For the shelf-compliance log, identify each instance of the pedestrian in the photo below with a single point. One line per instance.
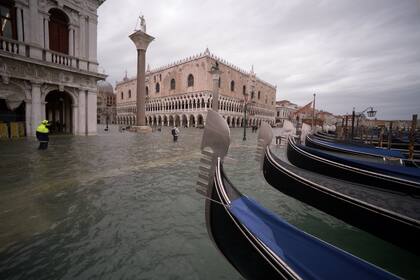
(175, 133)
(42, 135)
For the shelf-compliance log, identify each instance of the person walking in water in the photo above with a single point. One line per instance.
(42, 135)
(175, 133)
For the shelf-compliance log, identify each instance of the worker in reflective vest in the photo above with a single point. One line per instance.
(42, 135)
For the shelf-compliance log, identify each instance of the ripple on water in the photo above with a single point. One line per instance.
(124, 205)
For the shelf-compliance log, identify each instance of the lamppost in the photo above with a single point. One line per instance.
(245, 108)
(246, 105)
(370, 112)
(107, 116)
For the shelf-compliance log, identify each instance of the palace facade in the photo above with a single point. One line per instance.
(48, 64)
(106, 104)
(181, 93)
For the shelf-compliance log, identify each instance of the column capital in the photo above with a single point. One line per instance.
(141, 40)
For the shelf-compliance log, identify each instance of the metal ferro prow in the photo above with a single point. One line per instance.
(265, 136)
(214, 145)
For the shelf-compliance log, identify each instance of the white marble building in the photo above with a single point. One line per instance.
(48, 64)
(284, 111)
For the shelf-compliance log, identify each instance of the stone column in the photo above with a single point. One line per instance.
(142, 41)
(91, 117)
(19, 23)
(82, 112)
(47, 32)
(215, 72)
(28, 118)
(75, 119)
(71, 40)
(92, 38)
(35, 106)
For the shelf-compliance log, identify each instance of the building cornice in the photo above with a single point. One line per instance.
(205, 54)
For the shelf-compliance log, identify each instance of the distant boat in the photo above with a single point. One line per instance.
(258, 243)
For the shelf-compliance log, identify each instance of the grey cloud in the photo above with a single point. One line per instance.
(352, 53)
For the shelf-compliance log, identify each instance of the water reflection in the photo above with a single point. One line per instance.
(123, 205)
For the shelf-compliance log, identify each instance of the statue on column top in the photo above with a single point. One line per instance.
(142, 24)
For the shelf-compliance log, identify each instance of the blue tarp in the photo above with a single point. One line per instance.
(308, 256)
(359, 149)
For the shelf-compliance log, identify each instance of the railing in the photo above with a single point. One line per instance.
(60, 58)
(11, 46)
(34, 52)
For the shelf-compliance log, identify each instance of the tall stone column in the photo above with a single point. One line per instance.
(142, 41)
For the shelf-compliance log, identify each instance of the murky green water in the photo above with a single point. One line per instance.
(124, 206)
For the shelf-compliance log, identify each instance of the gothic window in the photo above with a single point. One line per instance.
(122, 95)
(252, 95)
(8, 20)
(244, 90)
(172, 84)
(259, 95)
(220, 82)
(58, 31)
(147, 90)
(190, 80)
(232, 86)
(129, 93)
(157, 88)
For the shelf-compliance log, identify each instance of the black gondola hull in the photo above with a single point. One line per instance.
(314, 163)
(236, 244)
(396, 229)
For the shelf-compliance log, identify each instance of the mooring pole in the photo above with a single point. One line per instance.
(352, 124)
(390, 135)
(412, 137)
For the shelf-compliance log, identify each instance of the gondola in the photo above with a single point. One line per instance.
(392, 156)
(353, 149)
(258, 243)
(396, 145)
(371, 210)
(394, 178)
(356, 144)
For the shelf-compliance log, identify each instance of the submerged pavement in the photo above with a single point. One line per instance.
(123, 205)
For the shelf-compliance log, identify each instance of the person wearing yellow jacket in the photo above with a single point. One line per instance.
(42, 135)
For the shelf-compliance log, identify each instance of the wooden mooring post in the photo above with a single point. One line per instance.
(390, 135)
(412, 137)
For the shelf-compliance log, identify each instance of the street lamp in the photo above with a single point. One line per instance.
(370, 112)
(245, 108)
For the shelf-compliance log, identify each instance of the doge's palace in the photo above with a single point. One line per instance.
(181, 93)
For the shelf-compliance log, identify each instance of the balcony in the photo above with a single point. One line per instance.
(13, 48)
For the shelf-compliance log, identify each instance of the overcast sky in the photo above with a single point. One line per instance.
(350, 53)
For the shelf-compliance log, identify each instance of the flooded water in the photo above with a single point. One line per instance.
(124, 206)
